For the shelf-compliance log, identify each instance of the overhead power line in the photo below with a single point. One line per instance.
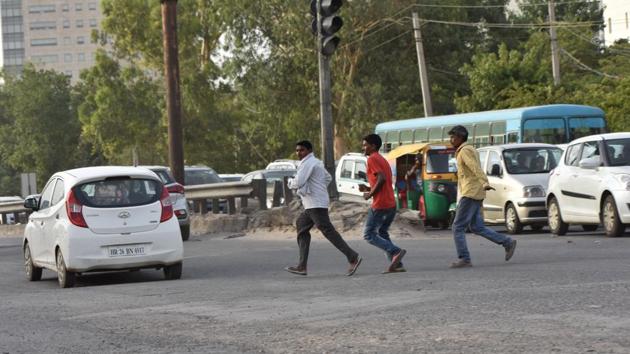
(586, 67)
(502, 6)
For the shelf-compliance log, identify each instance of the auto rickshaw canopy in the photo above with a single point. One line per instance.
(412, 149)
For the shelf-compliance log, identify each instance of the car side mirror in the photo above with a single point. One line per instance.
(496, 170)
(32, 202)
(590, 163)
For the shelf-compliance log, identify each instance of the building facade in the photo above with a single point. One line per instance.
(51, 34)
(616, 19)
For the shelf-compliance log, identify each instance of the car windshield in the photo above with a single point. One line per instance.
(618, 151)
(531, 160)
(164, 175)
(441, 161)
(118, 192)
(201, 176)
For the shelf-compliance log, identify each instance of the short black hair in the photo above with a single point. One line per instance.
(460, 131)
(374, 139)
(305, 143)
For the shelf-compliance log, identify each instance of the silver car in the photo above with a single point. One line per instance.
(520, 174)
(178, 198)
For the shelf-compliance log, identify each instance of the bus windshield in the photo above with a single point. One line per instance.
(531, 160)
(579, 127)
(544, 130)
(441, 161)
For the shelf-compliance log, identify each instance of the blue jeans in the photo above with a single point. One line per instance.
(469, 214)
(376, 230)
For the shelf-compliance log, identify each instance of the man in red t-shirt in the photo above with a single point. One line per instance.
(383, 209)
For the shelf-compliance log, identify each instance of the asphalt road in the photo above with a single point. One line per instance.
(563, 294)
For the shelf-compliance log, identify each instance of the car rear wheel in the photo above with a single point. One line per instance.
(512, 222)
(589, 228)
(33, 273)
(66, 279)
(556, 225)
(185, 229)
(173, 272)
(610, 218)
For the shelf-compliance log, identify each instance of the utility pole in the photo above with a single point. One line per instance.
(555, 53)
(424, 79)
(173, 93)
(327, 24)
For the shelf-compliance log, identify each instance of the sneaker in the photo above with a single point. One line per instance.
(296, 270)
(397, 270)
(354, 266)
(462, 263)
(396, 260)
(509, 250)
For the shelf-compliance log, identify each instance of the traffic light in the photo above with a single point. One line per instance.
(329, 24)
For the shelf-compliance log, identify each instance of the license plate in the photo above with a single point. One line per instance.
(126, 251)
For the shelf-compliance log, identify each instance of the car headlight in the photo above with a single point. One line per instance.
(624, 180)
(533, 191)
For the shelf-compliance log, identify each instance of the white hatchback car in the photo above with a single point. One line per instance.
(101, 219)
(591, 185)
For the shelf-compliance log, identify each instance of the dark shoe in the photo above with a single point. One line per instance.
(354, 266)
(397, 270)
(509, 250)
(296, 270)
(396, 260)
(462, 263)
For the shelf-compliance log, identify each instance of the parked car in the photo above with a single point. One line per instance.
(101, 219)
(282, 164)
(271, 176)
(195, 175)
(591, 185)
(178, 198)
(231, 177)
(519, 173)
(350, 173)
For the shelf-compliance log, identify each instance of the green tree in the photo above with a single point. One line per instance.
(40, 130)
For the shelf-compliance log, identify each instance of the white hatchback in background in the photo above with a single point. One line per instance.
(519, 173)
(283, 164)
(591, 185)
(101, 219)
(351, 171)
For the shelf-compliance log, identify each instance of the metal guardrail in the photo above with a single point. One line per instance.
(219, 190)
(12, 207)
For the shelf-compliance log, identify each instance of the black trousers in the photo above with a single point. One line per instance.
(319, 217)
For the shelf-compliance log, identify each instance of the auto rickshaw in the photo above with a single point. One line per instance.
(430, 188)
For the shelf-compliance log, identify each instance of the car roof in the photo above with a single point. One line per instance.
(197, 167)
(97, 172)
(154, 167)
(607, 136)
(518, 146)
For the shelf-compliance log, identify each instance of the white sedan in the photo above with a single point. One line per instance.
(101, 219)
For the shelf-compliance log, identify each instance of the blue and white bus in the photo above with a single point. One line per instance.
(552, 124)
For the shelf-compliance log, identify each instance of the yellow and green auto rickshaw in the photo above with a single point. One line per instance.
(430, 187)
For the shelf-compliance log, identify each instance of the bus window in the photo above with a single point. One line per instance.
(547, 130)
(383, 137)
(406, 137)
(420, 136)
(497, 133)
(392, 141)
(482, 134)
(512, 137)
(435, 134)
(579, 127)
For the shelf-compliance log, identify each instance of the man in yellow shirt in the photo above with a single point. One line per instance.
(472, 185)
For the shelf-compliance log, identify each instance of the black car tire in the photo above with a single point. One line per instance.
(33, 273)
(556, 224)
(66, 278)
(512, 222)
(185, 230)
(610, 218)
(173, 271)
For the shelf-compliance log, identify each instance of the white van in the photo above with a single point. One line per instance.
(351, 171)
(520, 174)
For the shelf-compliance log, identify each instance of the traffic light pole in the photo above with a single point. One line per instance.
(173, 94)
(325, 102)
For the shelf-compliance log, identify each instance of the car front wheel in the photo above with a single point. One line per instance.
(66, 279)
(512, 222)
(173, 272)
(33, 273)
(610, 218)
(185, 230)
(556, 225)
